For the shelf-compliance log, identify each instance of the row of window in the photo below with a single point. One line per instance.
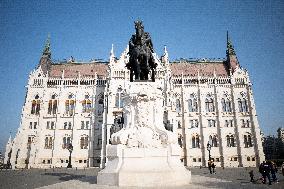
(213, 140)
(67, 125)
(48, 161)
(212, 123)
(48, 142)
(69, 105)
(210, 105)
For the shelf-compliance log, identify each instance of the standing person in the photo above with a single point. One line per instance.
(266, 172)
(251, 176)
(209, 166)
(274, 171)
(261, 170)
(213, 167)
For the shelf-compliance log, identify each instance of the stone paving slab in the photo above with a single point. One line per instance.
(231, 178)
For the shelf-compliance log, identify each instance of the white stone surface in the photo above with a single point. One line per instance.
(143, 167)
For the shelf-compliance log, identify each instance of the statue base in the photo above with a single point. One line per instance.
(143, 167)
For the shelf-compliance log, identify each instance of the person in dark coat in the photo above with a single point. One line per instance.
(266, 172)
(210, 167)
(251, 176)
(213, 167)
(261, 170)
(274, 171)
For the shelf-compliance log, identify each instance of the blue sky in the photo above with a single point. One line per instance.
(190, 29)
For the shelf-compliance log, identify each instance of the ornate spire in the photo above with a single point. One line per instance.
(46, 50)
(230, 47)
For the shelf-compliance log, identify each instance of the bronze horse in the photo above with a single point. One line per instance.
(141, 60)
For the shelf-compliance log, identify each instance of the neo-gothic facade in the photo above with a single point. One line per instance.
(211, 101)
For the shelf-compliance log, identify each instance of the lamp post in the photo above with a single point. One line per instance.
(70, 149)
(209, 149)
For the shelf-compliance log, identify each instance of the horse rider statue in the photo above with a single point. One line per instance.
(141, 60)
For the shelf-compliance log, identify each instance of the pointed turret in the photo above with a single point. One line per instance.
(45, 60)
(232, 60)
(111, 56)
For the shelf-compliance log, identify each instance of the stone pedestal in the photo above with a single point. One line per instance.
(143, 153)
(143, 167)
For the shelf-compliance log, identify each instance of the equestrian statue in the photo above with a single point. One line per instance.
(141, 60)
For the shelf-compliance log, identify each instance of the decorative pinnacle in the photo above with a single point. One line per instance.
(46, 50)
(111, 51)
(230, 47)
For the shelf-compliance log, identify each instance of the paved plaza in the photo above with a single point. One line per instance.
(83, 179)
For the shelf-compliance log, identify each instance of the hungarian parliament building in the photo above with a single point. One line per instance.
(207, 103)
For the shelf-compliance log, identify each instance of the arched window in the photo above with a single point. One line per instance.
(193, 142)
(232, 141)
(48, 142)
(214, 141)
(209, 104)
(178, 107)
(245, 141)
(101, 105)
(210, 140)
(192, 104)
(66, 142)
(228, 141)
(86, 105)
(244, 105)
(240, 105)
(118, 98)
(70, 105)
(52, 105)
(84, 141)
(197, 141)
(35, 105)
(226, 105)
(223, 104)
(249, 141)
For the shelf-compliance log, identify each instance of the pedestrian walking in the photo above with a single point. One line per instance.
(251, 176)
(274, 171)
(266, 172)
(213, 167)
(261, 170)
(209, 166)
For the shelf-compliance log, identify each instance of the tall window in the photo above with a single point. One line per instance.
(192, 104)
(211, 123)
(84, 141)
(230, 141)
(85, 124)
(195, 141)
(209, 104)
(228, 123)
(178, 106)
(86, 104)
(35, 106)
(66, 142)
(226, 105)
(213, 140)
(50, 125)
(67, 125)
(52, 105)
(101, 105)
(30, 141)
(48, 142)
(247, 141)
(193, 123)
(70, 105)
(118, 98)
(242, 104)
